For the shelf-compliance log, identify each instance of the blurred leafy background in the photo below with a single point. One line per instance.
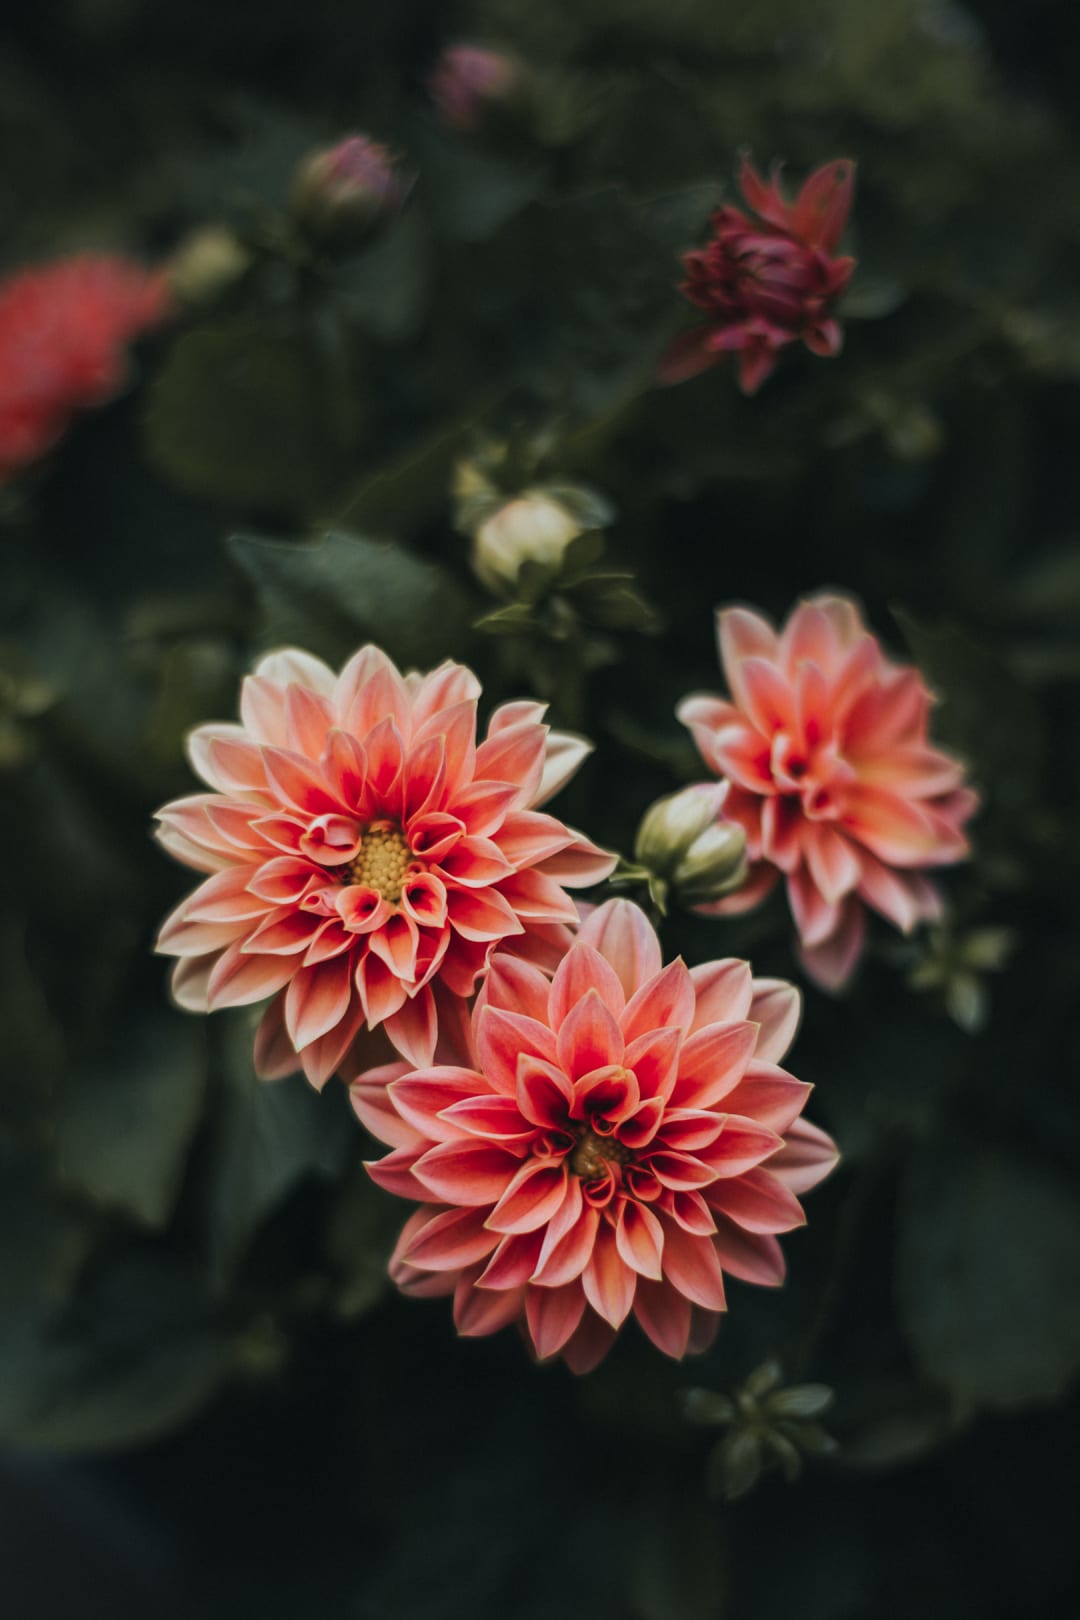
(207, 1393)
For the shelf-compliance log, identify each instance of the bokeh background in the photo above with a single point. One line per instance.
(210, 1403)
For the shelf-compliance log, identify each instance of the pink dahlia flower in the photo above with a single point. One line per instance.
(831, 775)
(365, 851)
(65, 329)
(612, 1141)
(768, 281)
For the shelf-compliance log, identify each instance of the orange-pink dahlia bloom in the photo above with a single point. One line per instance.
(65, 329)
(768, 281)
(365, 852)
(611, 1141)
(824, 744)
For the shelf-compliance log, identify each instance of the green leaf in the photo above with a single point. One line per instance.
(249, 415)
(133, 1358)
(986, 1275)
(334, 593)
(268, 1136)
(124, 1123)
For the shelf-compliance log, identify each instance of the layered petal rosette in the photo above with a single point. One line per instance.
(768, 279)
(612, 1141)
(366, 852)
(824, 743)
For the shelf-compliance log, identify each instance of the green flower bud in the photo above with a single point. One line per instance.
(534, 527)
(693, 852)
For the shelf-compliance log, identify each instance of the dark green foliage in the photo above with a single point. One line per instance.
(192, 1263)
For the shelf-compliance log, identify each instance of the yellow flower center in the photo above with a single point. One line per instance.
(594, 1153)
(382, 860)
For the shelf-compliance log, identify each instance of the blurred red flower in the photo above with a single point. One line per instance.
(64, 333)
(769, 280)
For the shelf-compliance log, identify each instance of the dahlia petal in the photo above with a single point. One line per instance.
(688, 1129)
(564, 754)
(308, 718)
(807, 1157)
(423, 1095)
(639, 1238)
(513, 1261)
(224, 898)
(769, 1095)
(225, 757)
(394, 1174)
(370, 692)
(297, 782)
(413, 1029)
(424, 778)
(757, 362)
(467, 1171)
(753, 1257)
(483, 915)
(689, 1210)
(538, 899)
(483, 807)
(664, 1002)
(607, 1096)
(588, 1344)
(621, 933)
(282, 880)
(580, 865)
(444, 688)
(423, 899)
(179, 937)
(479, 1311)
(476, 862)
(533, 1196)
(283, 932)
(568, 1242)
(891, 893)
(450, 1240)
(497, 1119)
(654, 1060)
(502, 1037)
(815, 917)
(396, 943)
(372, 1104)
(544, 1095)
(528, 837)
(825, 338)
(687, 356)
(822, 207)
(238, 980)
(323, 1056)
(190, 853)
(640, 1129)
(588, 1037)
(434, 834)
(741, 754)
(757, 1201)
(808, 638)
(608, 1281)
(317, 999)
(582, 969)
(516, 986)
(275, 1054)
(742, 1145)
(769, 699)
(190, 980)
(665, 1315)
(724, 991)
(776, 1008)
(381, 991)
(552, 1314)
(692, 1265)
(456, 729)
(288, 666)
(515, 754)
(683, 1172)
(343, 764)
(384, 752)
(834, 865)
(832, 963)
(896, 831)
(783, 829)
(712, 1062)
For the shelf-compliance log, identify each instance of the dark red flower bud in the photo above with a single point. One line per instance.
(344, 194)
(469, 82)
(767, 280)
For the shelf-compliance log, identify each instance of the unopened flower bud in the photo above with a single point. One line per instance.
(683, 841)
(342, 195)
(533, 527)
(207, 264)
(470, 83)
